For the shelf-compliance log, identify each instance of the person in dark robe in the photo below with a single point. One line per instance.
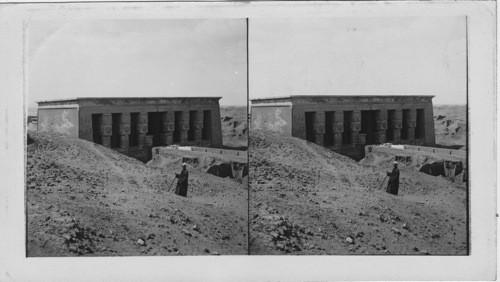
(393, 184)
(182, 182)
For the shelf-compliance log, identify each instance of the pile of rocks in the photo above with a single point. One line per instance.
(78, 239)
(288, 236)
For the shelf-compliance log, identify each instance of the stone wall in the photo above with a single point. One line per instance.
(277, 118)
(321, 119)
(60, 120)
(146, 122)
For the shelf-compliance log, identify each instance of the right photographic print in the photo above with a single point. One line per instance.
(358, 136)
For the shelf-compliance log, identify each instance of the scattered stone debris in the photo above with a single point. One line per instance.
(349, 240)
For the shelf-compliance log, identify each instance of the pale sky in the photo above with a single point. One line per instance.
(137, 58)
(359, 56)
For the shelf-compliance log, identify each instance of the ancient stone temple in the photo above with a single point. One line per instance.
(346, 124)
(133, 126)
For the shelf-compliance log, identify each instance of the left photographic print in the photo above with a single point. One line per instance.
(136, 137)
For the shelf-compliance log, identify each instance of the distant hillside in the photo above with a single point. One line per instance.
(450, 124)
(234, 125)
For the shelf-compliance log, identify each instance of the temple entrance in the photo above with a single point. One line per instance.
(96, 128)
(329, 120)
(116, 119)
(368, 126)
(346, 135)
(391, 119)
(310, 119)
(155, 127)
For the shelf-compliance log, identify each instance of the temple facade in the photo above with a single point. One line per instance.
(346, 124)
(133, 126)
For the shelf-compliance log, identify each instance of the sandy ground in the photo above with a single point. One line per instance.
(85, 199)
(307, 200)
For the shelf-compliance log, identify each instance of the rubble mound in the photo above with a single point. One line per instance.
(308, 200)
(87, 200)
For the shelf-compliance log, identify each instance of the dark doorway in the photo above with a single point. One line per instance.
(206, 132)
(133, 138)
(391, 119)
(193, 115)
(329, 120)
(177, 126)
(404, 129)
(310, 119)
(116, 120)
(155, 127)
(96, 128)
(420, 127)
(368, 126)
(346, 135)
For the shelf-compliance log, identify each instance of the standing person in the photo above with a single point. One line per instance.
(182, 183)
(393, 184)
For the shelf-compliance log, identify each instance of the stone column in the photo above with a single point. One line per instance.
(319, 128)
(124, 130)
(397, 124)
(142, 127)
(381, 126)
(184, 123)
(106, 130)
(198, 127)
(412, 123)
(355, 126)
(168, 126)
(338, 128)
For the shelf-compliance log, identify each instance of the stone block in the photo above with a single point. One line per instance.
(398, 124)
(142, 139)
(381, 125)
(168, 126)
(411, 133)
(198, 125)
(362, 139)
(197, 135)
(184, 137)
(337, 140)
(107, 119)
(412, 123)
(124, 129)
(320, 138)
(319, 128)
(397, 135)
(356, 116)
(170, 116)
(125, 119)
(142, 128)
(106, 130)
(124, 141)
(106, 141)
(338, 127)
(355, 126)
(380, 137)
(185, 125)
(143, 118)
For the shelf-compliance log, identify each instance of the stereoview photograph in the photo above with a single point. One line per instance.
(137, 138)
(358, 136)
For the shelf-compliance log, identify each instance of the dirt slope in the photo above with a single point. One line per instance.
(308, 200)
(84, 199)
